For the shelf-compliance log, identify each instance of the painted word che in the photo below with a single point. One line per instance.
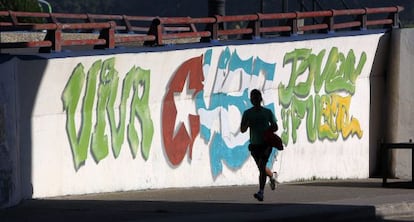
(100, 86)
(327, 115)
(231, 81)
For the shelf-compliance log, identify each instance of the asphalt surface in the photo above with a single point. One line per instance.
(339, 200)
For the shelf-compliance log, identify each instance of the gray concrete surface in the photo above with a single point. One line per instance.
(341, 200)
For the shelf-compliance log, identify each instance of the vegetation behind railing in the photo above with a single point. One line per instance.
(155, 31)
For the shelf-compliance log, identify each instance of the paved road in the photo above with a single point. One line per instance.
(351, 200)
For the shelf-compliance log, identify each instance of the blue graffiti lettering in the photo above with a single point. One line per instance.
(233, 80)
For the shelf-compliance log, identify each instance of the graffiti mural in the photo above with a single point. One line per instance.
(226, 145)
(100, 86)
(327, 112)
(219, 95)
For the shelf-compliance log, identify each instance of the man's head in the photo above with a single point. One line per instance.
(255, 97)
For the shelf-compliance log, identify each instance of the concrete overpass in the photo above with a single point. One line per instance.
(128, 118)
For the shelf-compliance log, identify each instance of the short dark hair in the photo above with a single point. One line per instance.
(256, 92)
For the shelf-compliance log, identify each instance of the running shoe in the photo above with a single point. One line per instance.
(258, 196)
(272, 183)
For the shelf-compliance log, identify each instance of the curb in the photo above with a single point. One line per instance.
(395, 209)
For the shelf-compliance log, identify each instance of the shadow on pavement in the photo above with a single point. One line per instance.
(362, 184)
(403, 184)
(98, 210)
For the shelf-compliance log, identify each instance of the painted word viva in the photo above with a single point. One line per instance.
(100, 86)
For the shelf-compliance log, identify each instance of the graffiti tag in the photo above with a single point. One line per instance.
(101, 87)
(327, 115)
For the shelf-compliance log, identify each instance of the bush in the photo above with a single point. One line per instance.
(23, 6)
(20, 5)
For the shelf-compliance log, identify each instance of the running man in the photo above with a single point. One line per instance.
(259, 119)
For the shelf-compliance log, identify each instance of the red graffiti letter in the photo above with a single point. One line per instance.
(176, 146)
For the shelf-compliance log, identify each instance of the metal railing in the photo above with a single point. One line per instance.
(385, 149)
(119, 29)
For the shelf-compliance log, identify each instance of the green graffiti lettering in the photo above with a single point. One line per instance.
(327, 128)
(99, 144)
(286, 92)
(79, 141)
(300, 108)
(344, 123)
(136, 82)
(315, 70)
(313, 117)
(327, 115)
(140, 79)
(285, 113)
(344, 78)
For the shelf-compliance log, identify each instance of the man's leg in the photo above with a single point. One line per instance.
(262, 175)
(257, 156)
(269, 173)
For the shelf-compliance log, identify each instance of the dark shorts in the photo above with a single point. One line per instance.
(260, 153)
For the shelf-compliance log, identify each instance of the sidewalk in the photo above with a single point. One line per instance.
(350, 200)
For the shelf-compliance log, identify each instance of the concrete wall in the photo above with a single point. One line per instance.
(400, 122)
(9, 152)
(128, 121)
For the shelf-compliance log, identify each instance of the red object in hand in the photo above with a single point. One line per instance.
(273, 140)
